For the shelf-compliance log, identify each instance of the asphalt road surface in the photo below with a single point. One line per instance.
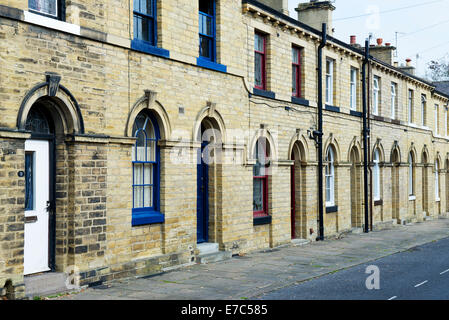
(421, 273)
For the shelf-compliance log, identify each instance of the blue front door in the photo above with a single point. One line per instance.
(202, 197)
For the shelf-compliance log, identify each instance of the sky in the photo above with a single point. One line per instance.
(422, 26)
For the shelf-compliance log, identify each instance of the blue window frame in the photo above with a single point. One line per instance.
(145, 24)
(145, 28)
(146, 171)
(207, 45)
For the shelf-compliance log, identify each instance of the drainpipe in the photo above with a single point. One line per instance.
(365, 138)
(319, 134)
(369, 145)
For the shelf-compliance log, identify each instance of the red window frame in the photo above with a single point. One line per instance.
(264, 179)
(297, 67)
(263, 54)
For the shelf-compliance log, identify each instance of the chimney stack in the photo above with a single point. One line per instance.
(408, 67)
(383, 53)
(279, 5)
(315, 13)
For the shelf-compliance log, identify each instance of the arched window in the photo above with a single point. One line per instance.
(260, 179)
(146, 171)
(437, 182)
(376, 175)
(411, 175)
(330, 178)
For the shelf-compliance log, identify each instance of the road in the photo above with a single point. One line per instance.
(420, 273)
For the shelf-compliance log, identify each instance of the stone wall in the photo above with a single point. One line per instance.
(110, 81)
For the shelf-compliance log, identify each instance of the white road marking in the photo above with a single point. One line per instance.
(420, 284)
(444, 271)
(392, 298)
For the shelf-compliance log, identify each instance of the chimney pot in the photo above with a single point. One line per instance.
(388, 44)
(408, 60)
(353, 40)
(379, 41)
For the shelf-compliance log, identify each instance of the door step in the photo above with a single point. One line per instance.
(300, 242)
(213, 257)
(207, 247)
(45, 284)
(209, 253)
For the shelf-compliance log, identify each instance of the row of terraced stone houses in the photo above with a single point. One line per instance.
(134, 132)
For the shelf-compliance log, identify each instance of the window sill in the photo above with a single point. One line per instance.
(201, 62)
(264, 93)
(144, 216)
(301, 101)
(379, 202)
(257, 221)
(411, 198)
(332, 108)
(145, 47)
(331, 209)
(356, 113)
(51, 23)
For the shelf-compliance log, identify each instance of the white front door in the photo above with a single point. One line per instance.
(37, 177)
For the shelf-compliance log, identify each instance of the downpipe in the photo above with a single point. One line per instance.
(365, 138)
(318, 135)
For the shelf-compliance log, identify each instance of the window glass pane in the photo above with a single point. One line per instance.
(294, 78)
(147, 196)
(144, 6)
(29, 181)
(205, 47)
(206, 25)
(259, 43)
(44, 6)
(148, 173)
(206, 6)
(258, 195)
(138, 197)
(138, 173)
(295, 55)
(258, 70)
(143, 29)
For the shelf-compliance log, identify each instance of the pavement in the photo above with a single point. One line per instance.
(256, 275)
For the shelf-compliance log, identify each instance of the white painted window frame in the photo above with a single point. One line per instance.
(423, 109)
(330, 172)
(437, 182)
(353, 89)
(376, 175)
(376, 91)
(329, 81)
(393, 100)
(410, 105)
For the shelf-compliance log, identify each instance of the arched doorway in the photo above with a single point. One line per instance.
(208, 173)
(356, 189)
(395, 162)
(298, 195)
(49, 112)
(39, 238)
(425, 185)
